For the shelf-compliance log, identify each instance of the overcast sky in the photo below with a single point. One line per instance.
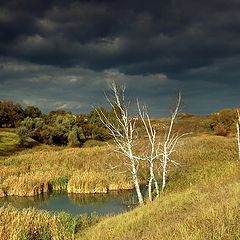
(62, 54)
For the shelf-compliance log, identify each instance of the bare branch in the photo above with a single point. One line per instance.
(122, 129)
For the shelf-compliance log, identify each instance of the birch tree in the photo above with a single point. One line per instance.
(153, 152)
(169, 143)
(123, 130)
(158, 148)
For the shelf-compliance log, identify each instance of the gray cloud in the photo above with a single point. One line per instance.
(61, 54)
(79, 89)
(99, 35)
(75, 88)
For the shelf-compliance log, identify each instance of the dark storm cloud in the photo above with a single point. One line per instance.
(135, 36)
(69, 50)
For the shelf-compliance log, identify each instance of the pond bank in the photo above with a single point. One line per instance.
(32, 184)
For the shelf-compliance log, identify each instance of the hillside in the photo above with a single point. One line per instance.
(201, 200)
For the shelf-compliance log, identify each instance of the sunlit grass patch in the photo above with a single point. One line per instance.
(33, 224)
(98, 182)
(201, 200)
(9, 143)
(190, 214)
(203, 160)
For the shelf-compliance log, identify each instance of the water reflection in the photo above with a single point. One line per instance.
(25, 202)
(112, 203)
(83, 199)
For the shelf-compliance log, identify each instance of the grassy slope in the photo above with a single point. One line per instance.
(201, 201)
(9, 142)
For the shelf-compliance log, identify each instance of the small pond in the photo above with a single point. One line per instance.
(75, 204)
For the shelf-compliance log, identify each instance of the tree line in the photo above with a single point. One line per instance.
(58, 127)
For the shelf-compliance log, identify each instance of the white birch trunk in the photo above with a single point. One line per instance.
(156, 187)
(136, 184)
(169, 144)
(152, 151)
(164, 172)
(150, 182)
(122, 131)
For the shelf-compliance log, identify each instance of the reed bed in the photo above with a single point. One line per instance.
(41, 169)
(27, 184)
(97, 182)
(31, 224)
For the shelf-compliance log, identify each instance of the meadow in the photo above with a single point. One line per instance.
(201, 200)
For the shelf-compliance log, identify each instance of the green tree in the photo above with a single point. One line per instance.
(52, 116)
(38, 129)
(73, 139)
(83, 122)
(10, 114)
(98, 129)
(64, 126)
(22, 133)
(32, 112)
(76, 137)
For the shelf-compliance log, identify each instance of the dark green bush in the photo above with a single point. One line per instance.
(22, 133)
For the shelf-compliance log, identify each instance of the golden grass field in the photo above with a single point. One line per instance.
(44, 168)
(201, 200)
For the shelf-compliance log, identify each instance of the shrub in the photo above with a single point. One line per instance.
(22, 133)
(222, 122)
(100, 133)
(220, 130)
(60, 183)
(73, 139)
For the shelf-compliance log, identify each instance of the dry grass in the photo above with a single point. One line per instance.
(191, 214)
(31, 224)
(34, 169)
(97, 182)
(201, 201)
